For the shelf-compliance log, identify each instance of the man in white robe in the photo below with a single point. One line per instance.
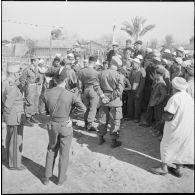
(177, 145)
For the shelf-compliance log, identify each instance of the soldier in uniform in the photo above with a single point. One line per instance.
(112, 52)
(109, 86)
(87, 76)
(137, 49)
(13, 114)
(60, 102)
(30, 81)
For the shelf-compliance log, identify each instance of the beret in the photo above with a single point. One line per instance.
(138, 42)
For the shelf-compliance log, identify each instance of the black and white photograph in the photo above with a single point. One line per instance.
(97, 97)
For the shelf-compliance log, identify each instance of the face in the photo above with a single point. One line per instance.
(105, 66)
(56, 63)
(179, 54)
(128, 54)
(115, 48)
(137, 46)
(135, 66)
(77, 59)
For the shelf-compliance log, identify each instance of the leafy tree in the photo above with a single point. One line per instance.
(17, 39)
(136, 28)
(30, 43)
(56, 34)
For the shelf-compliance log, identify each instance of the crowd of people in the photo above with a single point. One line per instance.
(150, 87)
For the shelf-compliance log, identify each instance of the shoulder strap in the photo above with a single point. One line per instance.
(56, 104)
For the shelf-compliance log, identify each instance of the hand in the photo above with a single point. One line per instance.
(105, 100)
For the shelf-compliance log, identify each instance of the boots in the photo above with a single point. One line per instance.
(101, 140)
(90, 127)
(29, 123)
(115, 143)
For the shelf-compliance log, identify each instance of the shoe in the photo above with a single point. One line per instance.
(189, 166)
(158, 171)
(29, 123)
(175, 171)
(115, 144)
(34, 120)
(45, 180)
(101, 140)
(61, 183)
(21, 168)
(136, 121)
(90, 127)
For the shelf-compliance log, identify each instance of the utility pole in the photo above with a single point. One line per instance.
(50, 48)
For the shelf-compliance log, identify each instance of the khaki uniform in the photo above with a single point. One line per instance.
(59, 103)
(31, 82)
(110, 83)
(90, 98)
(13, 114)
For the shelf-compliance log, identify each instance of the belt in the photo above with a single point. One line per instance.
(59, 119)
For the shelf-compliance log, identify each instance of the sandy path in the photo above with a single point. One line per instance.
(94, 168)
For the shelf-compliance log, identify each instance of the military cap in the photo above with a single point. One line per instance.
(12, 67)
(190, 69)
(149, 50)
(164, 61)
(56, 59)
(138, 42)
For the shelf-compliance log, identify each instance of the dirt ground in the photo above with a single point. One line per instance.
(94, 168)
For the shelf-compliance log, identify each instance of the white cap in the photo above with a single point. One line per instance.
(181, 49)
(41, 61)
(157, 59)
(140, 57)
(179, 61)
(179, 83)
(186, 63)
(167, 51)
(58, 55)
(136, 60)
(165, 61)
(115, 43)
(70, 55)
(149, 50)
(42, 69)
(174, 53)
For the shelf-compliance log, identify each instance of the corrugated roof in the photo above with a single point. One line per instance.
(55, 44)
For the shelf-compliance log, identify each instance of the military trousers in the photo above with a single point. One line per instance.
(91, 101)
(14, 145)
(111, 116)
(32, 94)
(134, 105)
(60, 137)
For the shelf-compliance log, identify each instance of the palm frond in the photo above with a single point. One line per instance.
(146, 29)
(127, 30)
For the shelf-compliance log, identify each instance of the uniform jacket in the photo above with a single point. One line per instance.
(88, 76)
(12, 99)
(30, 76)
(158, 94)
(66, 102)
(111, 83)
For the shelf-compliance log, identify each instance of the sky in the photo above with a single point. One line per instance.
(91, 20)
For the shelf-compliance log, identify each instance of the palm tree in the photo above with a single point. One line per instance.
(136, 28)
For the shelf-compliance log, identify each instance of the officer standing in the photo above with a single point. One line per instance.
(137, 49)
(109, 86)
(59, 103)
(88, 76)
(113, 52)
(13, 114)
(30, 81)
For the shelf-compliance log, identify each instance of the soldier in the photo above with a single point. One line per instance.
(190, 79)
(13, 114)
(128, 47)
(112, 52)
(30, 81)
(51, 71)
(137, 49)
(137, 81)
(180, 52)
(87, 76)
(109, 87)
(60, 102)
